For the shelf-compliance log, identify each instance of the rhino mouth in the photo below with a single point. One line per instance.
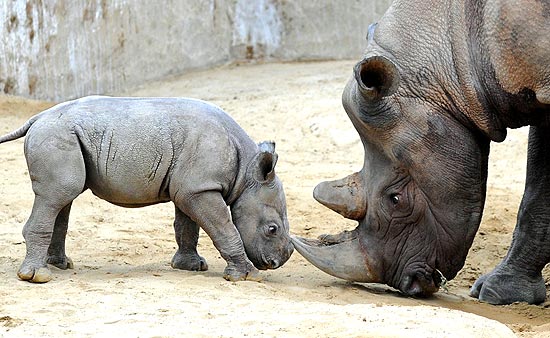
(267, 262)
(421, 283)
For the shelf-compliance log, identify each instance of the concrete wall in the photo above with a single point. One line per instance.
(61, 49)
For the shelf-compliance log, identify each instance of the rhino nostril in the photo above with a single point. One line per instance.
(273, 263)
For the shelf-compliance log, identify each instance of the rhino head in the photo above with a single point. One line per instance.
(260, 212)
(419, 196)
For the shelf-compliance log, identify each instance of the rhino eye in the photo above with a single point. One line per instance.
(272, 229)
(394, 198)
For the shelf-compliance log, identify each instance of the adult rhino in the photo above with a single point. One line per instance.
(135, 152)
(439, 80)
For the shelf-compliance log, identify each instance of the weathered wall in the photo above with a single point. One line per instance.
(61, 49)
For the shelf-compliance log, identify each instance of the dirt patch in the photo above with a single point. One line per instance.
(123, 283)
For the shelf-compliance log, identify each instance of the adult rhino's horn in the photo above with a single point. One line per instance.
(340, 256)
(376, 77)
(346, 196)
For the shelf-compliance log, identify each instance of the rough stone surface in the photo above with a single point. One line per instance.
(63, 49)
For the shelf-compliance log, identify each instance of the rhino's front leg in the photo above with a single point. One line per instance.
(187, 237)
(209, 211)
(56, 251)
(518, 277)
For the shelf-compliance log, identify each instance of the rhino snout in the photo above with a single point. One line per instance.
(420, 284)
(271, 262)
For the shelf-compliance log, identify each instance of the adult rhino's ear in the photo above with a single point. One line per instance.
(376, 77)
(264, 162)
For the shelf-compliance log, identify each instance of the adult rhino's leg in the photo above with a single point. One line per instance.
(209, 211)
(518, 277)
(56, 251)
(58, 175)
(187, 237)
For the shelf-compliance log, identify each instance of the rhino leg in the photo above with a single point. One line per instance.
(209, 211)
(187, 237)
(518, 277)
(58, 175)
(56, 251)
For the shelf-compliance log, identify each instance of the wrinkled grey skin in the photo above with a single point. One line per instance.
(135, 152)
(439, 80)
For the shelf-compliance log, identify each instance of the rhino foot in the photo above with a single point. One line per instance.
(189, 262)
(503, 287)
(34, 274)
(231, 273)
(62, 263)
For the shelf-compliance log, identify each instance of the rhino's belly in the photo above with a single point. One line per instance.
(129, 193)
(130, 183)
(128, 170)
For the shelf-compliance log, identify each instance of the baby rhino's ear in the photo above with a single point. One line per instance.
(264, 162)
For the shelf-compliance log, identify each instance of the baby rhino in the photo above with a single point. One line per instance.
(135, 152)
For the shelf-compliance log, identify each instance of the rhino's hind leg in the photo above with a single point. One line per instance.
(518, 277)
(38, 233)
(58, 175)
(187, 237)
(56, 251)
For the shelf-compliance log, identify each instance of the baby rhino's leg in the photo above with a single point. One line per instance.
(56, 251)
(38, 234)
(187, 237)
(211, 213)
(58, 175)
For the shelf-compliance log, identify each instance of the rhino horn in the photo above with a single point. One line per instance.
(346, 196)
(340, 256)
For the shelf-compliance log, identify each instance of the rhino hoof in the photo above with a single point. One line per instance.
(61, 263)
(501, 287)
(254, 276)
(189, 263)
(40, 275)
(232, 275)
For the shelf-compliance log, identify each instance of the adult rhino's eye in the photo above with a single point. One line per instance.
(272, 229)
(394, 198)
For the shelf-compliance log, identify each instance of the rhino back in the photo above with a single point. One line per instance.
(135, 148)
(474, 59)
(518, 42)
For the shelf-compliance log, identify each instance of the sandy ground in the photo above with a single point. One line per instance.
(123, 284)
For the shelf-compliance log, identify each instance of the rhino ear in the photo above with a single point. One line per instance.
(264, 162)
(376, 77)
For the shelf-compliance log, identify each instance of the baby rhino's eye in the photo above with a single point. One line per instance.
(272, 229)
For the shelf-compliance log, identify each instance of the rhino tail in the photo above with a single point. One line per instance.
(21, 131)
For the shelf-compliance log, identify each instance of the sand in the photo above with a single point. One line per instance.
(123, 284)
